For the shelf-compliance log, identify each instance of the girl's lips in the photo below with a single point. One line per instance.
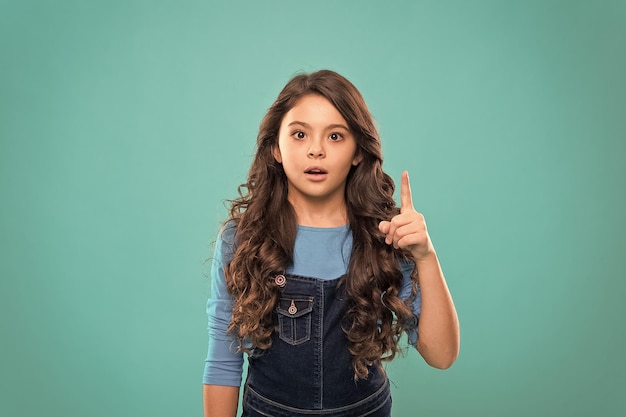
(315, 176)
(315, 170)
(315, 173)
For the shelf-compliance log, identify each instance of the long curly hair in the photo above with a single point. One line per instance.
(265, 231)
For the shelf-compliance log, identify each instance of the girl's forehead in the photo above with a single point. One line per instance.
(314, 109)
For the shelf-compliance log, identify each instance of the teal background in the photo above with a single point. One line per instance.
(124, 125)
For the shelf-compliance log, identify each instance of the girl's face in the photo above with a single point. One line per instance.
(317, 150)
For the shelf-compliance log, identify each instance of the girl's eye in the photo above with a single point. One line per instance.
(335, 137)
(299, 135)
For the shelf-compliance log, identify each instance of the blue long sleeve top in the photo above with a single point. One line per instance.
(322, 253)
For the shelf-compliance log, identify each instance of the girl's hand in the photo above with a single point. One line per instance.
(408, 229)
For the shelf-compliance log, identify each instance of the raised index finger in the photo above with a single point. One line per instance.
(406, 200)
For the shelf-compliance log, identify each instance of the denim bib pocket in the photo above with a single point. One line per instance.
(294, 319)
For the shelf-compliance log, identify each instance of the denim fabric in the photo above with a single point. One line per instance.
(308, 369)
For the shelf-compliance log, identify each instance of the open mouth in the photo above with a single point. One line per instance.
(315, 171)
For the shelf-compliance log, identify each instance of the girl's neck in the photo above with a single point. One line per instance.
(320, 214)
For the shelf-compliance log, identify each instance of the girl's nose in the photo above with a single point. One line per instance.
(316, 149)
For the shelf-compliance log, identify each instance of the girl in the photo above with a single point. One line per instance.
(317, 273)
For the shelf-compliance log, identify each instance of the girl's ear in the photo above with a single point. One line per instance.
(357, 159)
(277, 156)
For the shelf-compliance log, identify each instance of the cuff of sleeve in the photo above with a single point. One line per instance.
(413, 335)
(216, 375)
(221, 381)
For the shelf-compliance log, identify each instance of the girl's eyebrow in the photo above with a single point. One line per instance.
(295, 122)
(338, 126)
(332, 126)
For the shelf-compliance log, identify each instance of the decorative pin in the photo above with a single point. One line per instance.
(280, 280)
(292, 308)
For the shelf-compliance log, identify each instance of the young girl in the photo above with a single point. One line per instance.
(317, 273)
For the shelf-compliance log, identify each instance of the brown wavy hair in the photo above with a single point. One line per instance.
(265, 231)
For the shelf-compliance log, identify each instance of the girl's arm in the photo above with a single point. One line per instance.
(223, 366)
(439, 336)
(220, 401)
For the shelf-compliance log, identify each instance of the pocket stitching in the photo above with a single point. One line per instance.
(287, 321)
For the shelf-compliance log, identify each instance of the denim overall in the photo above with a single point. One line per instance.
(308, 369)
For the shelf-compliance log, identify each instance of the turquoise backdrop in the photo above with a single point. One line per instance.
(124, 126)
